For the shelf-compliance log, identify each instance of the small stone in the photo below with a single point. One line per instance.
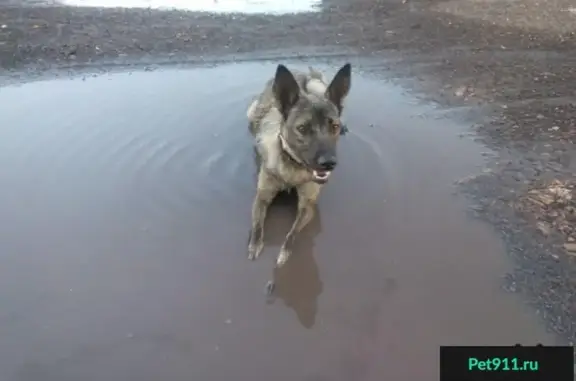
(570, 248)
(540, 116)
(554, 128)
(544, 228)
(228, 321)
(460, 91)
(269, 288)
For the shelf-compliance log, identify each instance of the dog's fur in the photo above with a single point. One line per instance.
(296, 125)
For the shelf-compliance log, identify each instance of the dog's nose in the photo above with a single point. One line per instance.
(327, 163)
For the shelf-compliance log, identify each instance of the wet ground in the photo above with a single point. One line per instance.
(128, 195)
(127, 201)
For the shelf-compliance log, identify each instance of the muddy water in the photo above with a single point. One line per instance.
(125, 205)
(219, 6)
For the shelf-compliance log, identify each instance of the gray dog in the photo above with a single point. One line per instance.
(296, 127)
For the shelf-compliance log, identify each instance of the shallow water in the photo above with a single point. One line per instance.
(125, 205)
(218, 6)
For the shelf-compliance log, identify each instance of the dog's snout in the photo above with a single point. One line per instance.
(327, 163)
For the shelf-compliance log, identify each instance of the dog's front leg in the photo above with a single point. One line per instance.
(265, 193)
(307, 196)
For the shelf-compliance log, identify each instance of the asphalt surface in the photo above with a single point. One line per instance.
(514, 62)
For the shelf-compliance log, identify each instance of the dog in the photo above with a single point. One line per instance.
(295, 123)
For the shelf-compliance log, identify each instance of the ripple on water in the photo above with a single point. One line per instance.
(164, 169)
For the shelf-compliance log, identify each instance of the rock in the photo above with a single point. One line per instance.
(269, 288)
(544, 228)
(461, 91)
(570, 248)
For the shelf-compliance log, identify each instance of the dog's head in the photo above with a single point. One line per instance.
(311, 121)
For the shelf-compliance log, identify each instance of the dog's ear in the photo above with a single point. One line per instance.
(286, 89)
(340, 86)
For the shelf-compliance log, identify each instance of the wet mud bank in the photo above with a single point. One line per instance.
(518, 69)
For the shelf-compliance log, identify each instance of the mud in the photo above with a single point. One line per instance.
(127, 200)
(512, 61)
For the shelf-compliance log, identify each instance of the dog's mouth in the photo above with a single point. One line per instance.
(320, 176)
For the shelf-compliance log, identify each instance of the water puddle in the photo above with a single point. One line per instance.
(126, 202)
(218, 6)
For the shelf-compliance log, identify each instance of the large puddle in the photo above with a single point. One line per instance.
(218, 6)
(125, 204)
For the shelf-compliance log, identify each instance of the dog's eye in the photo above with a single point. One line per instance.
(302, 129)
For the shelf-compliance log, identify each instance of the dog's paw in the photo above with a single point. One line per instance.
(283, 257)
(255, 249)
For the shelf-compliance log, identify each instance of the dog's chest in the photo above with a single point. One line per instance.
(286, 174)
(289, 176)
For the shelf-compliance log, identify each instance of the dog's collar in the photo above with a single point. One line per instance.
(288, 151)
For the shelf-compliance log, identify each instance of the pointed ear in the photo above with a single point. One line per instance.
(340, 86)
(286, 89)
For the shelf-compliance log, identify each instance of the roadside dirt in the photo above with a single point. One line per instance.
(514, 58)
